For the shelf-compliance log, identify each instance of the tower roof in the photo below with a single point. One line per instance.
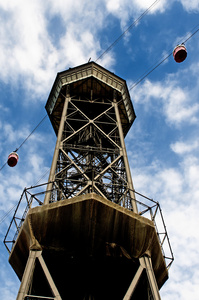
(93, 82)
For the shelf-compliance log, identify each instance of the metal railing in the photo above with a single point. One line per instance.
(34, 196)
(152, 210)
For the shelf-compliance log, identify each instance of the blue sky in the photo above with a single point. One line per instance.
(40, 38)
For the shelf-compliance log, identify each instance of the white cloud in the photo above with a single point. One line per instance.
(113, 5)
(178, 109)
(27, 52)
(184, 147)
(78, 47)
(8, 284)
(190, 5)
(35, 56)
(191, 166)
(126, 10)
(25, 44)
(177, 104)
(177, 191)
(176, 188)
(155, 5)
(34, 161)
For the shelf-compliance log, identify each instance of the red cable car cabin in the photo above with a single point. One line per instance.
(180, 53)
(13, 159)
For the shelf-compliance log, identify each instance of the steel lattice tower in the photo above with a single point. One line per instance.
(87, 240)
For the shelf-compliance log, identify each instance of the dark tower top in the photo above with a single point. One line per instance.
(90, 81)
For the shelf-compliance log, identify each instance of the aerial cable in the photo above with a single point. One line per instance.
(12, 208)
(3, 166)
(128, 29)
(26, 138)
(191, 35)
(7, 214)
(42, 176)
(31, 133)
(142, 78)
(159, 63)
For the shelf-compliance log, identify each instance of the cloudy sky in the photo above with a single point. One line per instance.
(40, 38)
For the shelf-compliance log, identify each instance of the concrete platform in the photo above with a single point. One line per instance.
(77, 232)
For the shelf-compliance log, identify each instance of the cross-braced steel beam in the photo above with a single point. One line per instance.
(90, 154)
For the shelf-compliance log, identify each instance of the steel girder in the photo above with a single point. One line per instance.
(91, 154)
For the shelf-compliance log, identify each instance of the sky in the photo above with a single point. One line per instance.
(40, 38)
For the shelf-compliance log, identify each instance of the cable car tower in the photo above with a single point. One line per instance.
(87, 238)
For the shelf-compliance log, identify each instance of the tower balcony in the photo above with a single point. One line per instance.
(102, 232)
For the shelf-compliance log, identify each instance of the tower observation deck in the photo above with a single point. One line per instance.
(87, 238)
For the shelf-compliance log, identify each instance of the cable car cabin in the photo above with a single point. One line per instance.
(13, 159)
(180, 53)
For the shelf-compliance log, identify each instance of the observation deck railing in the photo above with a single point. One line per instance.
(34, 196)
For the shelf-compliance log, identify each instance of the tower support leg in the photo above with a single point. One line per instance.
(28, 275)
(57, 148)
(145, 263)
(124, 153)
(134, 283)
(151, 278)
